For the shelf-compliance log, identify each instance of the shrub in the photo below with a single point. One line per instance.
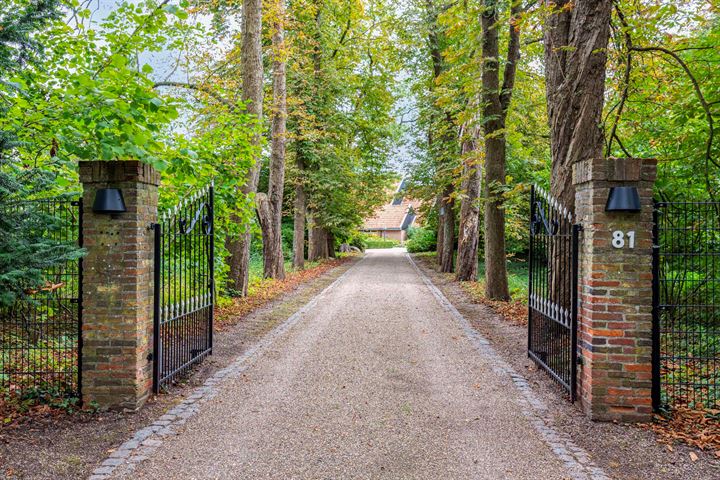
(288, 232)
(358, 239)
(421, 240)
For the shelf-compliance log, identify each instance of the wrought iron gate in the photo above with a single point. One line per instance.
(553, 262)
(184, 287)
(40, 336)
(686, 314)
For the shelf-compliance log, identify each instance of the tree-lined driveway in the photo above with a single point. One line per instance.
(377, 380)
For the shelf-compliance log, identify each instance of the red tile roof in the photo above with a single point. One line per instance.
(389, 216)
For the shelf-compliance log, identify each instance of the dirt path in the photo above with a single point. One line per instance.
(378, 377)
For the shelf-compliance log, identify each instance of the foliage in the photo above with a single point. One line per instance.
(287, 239)
(27, 248)
(89, 98)
(663, 67)
(340, 78)
(455, 95)
(662, 100)
(373, 241)
(421, 240)
(92, 98)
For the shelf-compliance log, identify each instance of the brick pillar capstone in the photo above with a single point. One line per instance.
(118, 285)
(615, 311)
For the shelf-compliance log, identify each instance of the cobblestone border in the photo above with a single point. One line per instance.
(148, 440)
(576, 460)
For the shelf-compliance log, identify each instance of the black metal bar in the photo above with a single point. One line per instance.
(212, 266)
(81, 244)
(157, 307)
(48, 323)
(553, 275)
(186, 257)
(556, 376)
(531, 262)
(686, 307)
(656, 311)
(574, 310)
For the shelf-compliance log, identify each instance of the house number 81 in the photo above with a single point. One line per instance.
(619, 239)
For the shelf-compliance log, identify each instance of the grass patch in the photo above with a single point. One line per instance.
(518, 279)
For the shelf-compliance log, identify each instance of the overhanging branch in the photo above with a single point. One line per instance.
(703, 102)
(197, 88)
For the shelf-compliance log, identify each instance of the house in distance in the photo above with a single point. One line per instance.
(392, 220)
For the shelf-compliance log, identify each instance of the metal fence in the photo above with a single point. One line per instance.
(40, 336)
(184, 287)
(687, 304)
(552, 316)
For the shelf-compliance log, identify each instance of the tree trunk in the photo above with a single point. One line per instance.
(448, 226)
(312, 238)
(468, 237)
(497, 101)
(444, 143)
(273, 258)
(440, 230)
(496, 281)
(331, 245)
(318, 248)
(576, 40)
(252, 96)
(299, 220)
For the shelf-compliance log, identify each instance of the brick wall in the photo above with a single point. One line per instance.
(615, 311)
(118, 286)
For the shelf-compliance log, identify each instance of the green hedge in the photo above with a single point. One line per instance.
(378, 242)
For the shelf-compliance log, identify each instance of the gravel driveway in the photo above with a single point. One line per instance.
(377, 380)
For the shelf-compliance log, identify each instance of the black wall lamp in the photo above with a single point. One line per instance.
(109, 201)
(623, 199)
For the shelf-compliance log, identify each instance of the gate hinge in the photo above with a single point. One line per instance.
(150, 357)
(580, 361)
(75, 300)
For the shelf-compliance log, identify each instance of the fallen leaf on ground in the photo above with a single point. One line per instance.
(695, 427)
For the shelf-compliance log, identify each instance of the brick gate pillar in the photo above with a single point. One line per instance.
(117, 285)
(615, 311)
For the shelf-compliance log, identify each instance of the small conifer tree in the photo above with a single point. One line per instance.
(27, 247)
